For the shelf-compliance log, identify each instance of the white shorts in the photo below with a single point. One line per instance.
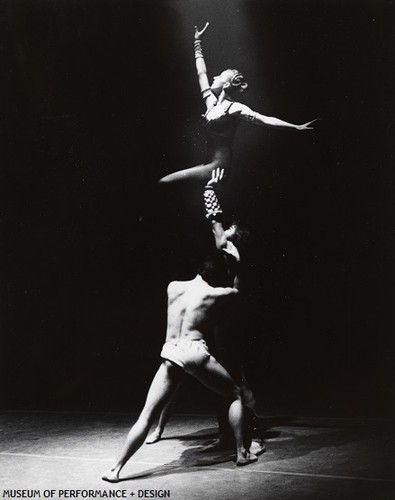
(187, 354)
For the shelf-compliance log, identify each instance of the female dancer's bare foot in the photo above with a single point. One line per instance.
(245, 458)
(154, 437)
(112, 476)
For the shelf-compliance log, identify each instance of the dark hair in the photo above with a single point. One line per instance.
(214, 270)
(238, 83)
(240, 235)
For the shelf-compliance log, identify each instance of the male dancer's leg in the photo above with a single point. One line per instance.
(215, 377)
(165, 414)
(161, 389)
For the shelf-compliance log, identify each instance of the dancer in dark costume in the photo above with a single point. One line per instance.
(222, 117)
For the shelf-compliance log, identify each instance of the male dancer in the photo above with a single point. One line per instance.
(193, 310)
(227, 349)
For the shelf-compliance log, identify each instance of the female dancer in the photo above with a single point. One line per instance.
(222, 117)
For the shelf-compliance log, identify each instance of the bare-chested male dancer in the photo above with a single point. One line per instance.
(227, 242)
(193, 309)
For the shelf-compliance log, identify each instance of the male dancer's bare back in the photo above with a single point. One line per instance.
(192, 306)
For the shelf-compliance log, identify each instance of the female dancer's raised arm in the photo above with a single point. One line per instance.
(201, 68)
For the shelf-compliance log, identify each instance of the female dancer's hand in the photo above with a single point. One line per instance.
(216, 176)
(198, 33)
(306, 126)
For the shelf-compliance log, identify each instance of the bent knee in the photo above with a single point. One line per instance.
(236, 393)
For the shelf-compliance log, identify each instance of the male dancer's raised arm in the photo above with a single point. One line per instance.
(223, 243)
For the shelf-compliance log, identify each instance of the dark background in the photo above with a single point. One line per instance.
(99, 100)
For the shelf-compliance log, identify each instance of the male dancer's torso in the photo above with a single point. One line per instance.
(191, 305)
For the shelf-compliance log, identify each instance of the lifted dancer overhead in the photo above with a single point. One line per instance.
(222, 117)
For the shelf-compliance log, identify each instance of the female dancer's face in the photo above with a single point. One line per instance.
(221, 80)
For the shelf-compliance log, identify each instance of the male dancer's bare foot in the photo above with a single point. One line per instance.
(257, 448)
(245, 458)
(154, 437)
(112, 476)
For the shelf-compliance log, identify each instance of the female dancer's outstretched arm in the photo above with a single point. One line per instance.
(249, 115)
(201, 68)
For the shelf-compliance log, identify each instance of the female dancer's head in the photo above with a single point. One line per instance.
(231, 81)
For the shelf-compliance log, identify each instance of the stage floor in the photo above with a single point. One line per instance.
(306, 458)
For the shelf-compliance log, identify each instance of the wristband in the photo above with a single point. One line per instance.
(198, 49)
(211, 203)
(206, 92)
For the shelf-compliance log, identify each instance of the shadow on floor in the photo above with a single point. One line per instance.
(291, 442)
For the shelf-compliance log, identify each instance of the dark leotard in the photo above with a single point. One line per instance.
(220, 127)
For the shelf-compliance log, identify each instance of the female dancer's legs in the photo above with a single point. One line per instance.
(201, 174)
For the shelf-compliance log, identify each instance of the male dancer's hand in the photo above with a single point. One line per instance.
(216, 176)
